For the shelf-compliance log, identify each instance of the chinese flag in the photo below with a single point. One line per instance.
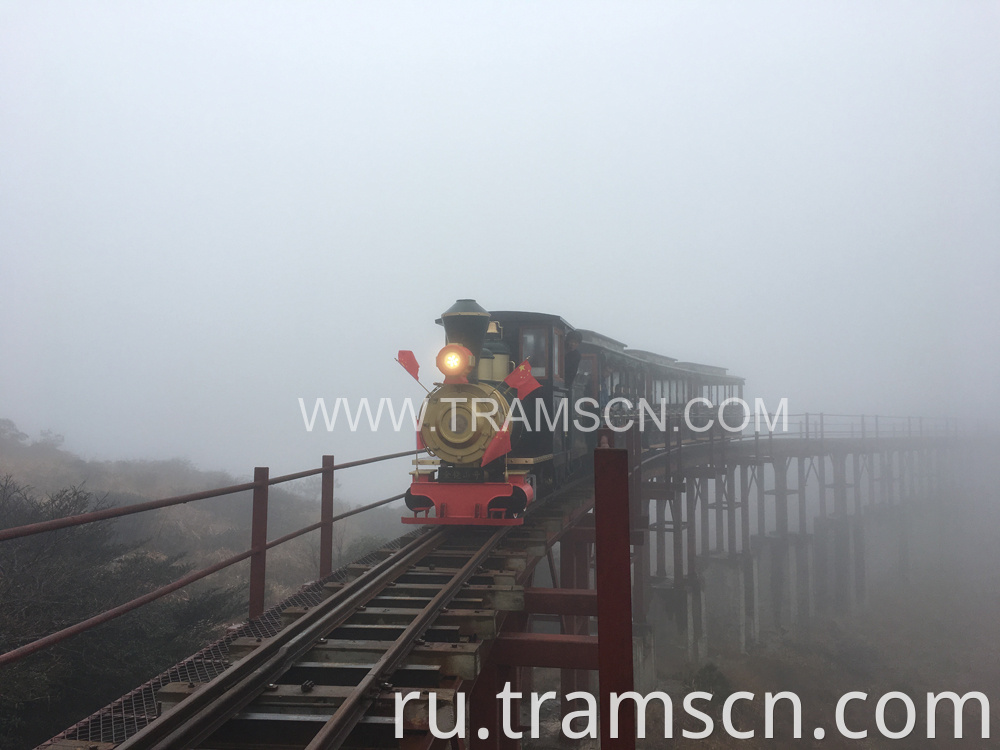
(499, 446)
(522, 380)
(409, 363)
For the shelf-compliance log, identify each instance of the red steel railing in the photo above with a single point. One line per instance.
(258, 540)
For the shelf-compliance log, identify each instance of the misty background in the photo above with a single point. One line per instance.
(208, 211)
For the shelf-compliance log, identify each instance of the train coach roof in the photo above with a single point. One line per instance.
(599, 339)
(704, 369)
(708, 374)
(711, 373)
(653, 357)
(522, 317)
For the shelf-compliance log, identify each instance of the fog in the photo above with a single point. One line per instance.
(209, 211)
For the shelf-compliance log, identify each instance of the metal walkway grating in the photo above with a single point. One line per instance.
(124, 717)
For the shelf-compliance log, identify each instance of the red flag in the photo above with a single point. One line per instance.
(499, 446)
(409, 363)
(522, 379)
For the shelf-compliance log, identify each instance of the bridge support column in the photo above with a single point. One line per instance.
(732, 544)
(672, 626)
(677, 536)
(719, 517)
(639, 526)
(905, 476)
(824, 566)
(843, 557)
(860, 561)
(574, 573)
(694, 613)
(889, 476)
(872, 496)
(730, 577)
(661, 535)
(821, 572)
(751, 619)
(483, 705)
(778, 575)
(856, 481)
(778, 582)
(857, 530)
(803, 545)
(883, 531)
(677, 608)
(804, 604)
(705, 547)
(725, 598)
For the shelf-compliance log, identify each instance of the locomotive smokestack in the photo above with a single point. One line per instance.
(465, 323)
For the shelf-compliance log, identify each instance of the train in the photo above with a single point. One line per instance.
(525, 400)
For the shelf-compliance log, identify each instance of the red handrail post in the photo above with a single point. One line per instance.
(258, 541)
(326, 518)
(614, 592)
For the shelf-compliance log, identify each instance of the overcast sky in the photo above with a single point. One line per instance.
(210, 210)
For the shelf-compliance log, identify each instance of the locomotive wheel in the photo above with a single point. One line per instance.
(416, 502)
(512, 506)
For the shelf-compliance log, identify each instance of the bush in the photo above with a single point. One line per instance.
(53, 580)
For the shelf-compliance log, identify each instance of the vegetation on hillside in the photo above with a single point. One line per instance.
(53, 580)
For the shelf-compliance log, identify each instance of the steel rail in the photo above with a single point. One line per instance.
(200, 714)
(337, 729)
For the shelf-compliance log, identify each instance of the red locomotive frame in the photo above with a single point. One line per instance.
(467, 504)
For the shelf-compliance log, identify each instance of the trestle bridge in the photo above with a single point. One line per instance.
(723, 542)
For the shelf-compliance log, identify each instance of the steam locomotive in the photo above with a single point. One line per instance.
(524, 399)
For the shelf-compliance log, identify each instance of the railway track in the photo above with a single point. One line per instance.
(415, 620)
(312, 683)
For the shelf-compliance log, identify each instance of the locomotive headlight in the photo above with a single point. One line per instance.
(455, 361)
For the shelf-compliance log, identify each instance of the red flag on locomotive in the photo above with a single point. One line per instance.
(409, 362)
(523, 380)
(499, 446)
